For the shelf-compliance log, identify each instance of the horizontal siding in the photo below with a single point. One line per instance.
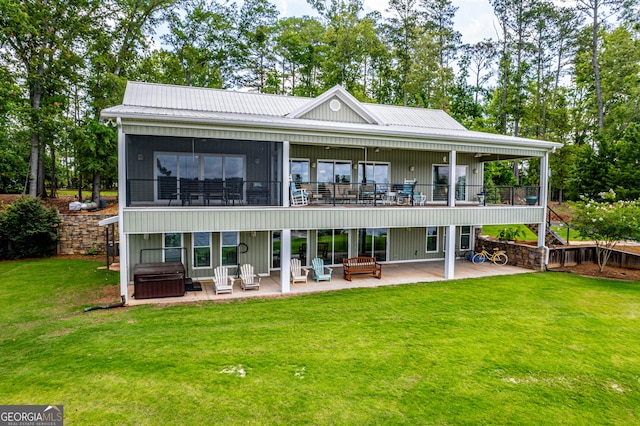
(400, 162)
(244, 219)
(318, 138)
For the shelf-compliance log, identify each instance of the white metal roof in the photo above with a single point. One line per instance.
(161, 102)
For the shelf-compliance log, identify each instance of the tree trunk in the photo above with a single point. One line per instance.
(95, 195)
(36, 96)
(54, 181)
(596, 69)
(41, 190)
(33, 164)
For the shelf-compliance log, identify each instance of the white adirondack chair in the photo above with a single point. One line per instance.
(222, 282)
(249, 279)
(298, 273)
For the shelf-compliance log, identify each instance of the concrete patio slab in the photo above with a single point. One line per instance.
(392, 274)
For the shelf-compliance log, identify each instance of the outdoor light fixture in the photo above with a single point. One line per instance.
(412, 168)
(475, 171)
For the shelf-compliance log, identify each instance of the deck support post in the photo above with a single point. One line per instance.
(286, 176)
(123, 195)
(450, 253)
(451, 199)
(542, 198)
(285, 260)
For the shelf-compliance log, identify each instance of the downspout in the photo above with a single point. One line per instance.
(546, 257)
(544, 194)
(123, 195)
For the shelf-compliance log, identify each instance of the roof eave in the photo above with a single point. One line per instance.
(472, 137)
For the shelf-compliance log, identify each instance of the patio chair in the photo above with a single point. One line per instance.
(318, 271)
(250, 280)
(234, 190)
(299, 197)
(190, 189)
(213, 190)
(222, 282)
(406, 194)
(298, 273)
(167, 188)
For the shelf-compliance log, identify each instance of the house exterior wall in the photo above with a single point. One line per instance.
(410, 141)
(153, 220)
(399, 160)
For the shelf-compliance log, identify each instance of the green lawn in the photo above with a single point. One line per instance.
(539, 348)
(86, 192)
(527, 235)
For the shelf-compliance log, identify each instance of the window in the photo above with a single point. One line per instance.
(465, 237)
(300, 171)
(441, 182)
(172, 247)
(172, 168)
(229, 248)
(201, 250)
(373, 243)
(333, 245)
(432, 239)
(276, 236)
(299, 245)
(334, 172)
(377, 173)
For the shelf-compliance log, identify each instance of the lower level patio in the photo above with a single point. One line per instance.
(392, 274)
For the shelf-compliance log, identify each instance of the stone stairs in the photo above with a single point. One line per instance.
(551, 238)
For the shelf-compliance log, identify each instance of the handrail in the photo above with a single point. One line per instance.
(549, 211)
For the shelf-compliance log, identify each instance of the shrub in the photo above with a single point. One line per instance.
(29, 229)
(509, 234)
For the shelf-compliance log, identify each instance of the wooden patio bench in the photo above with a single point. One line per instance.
(361, 265)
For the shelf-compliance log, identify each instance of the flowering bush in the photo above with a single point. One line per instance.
(607, 222)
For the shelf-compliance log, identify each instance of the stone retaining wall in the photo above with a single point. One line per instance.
(521, 255)
(81, 234)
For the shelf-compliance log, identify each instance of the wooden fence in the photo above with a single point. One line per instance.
(570, 256)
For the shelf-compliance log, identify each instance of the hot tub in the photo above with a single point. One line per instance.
(152, 280)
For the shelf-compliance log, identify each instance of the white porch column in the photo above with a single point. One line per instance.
(285, 259)
(542, 199)
(122, 200)
(450, 254)
(452, 179)
(286, 176)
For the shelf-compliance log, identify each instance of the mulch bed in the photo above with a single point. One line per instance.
(592, 270)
